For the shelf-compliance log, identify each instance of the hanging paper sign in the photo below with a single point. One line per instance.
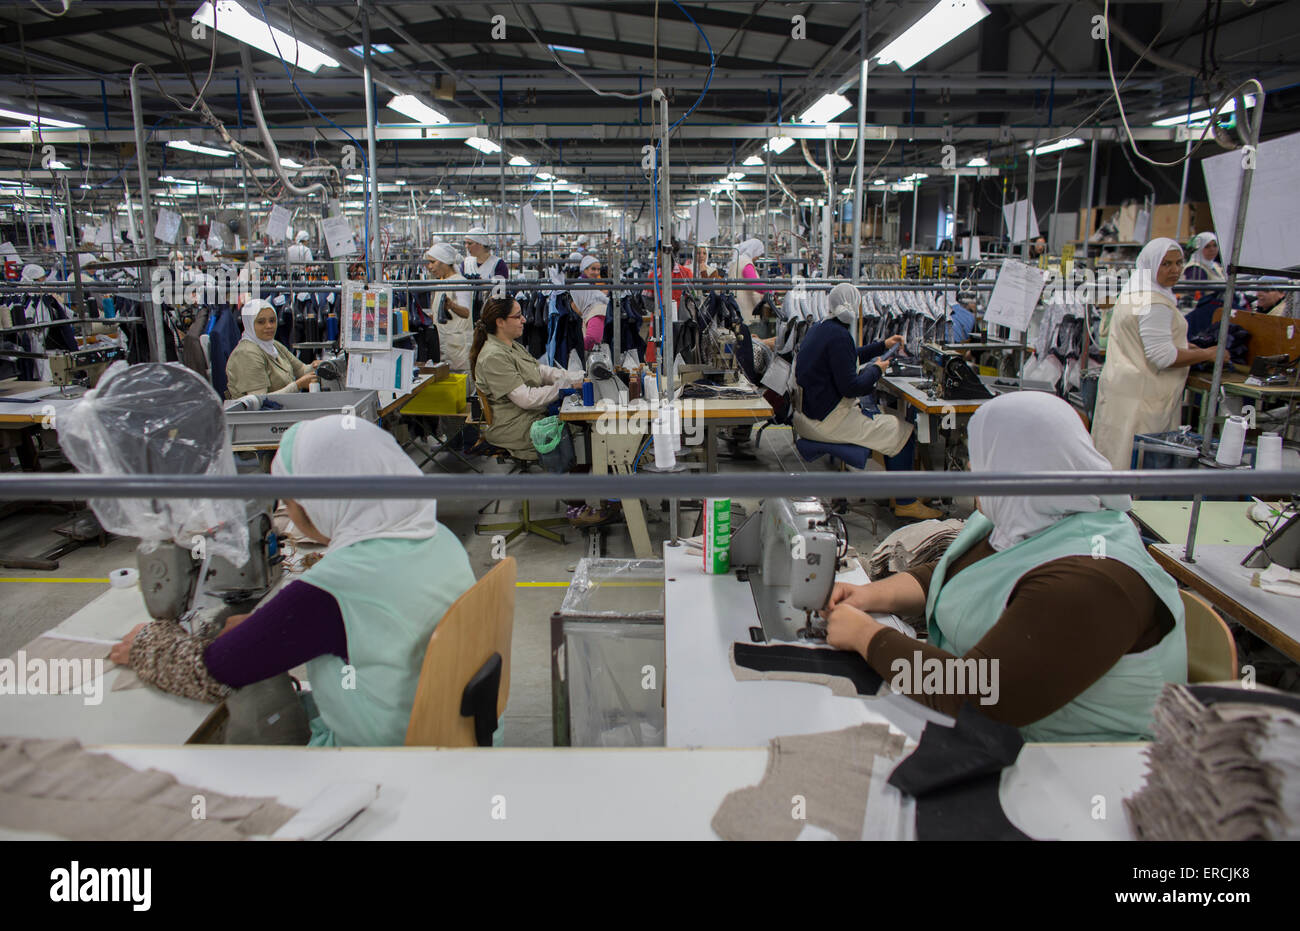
(367, 321)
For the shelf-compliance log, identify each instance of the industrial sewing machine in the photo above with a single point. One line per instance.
(949, 376)
(788, 553)
(81, 368)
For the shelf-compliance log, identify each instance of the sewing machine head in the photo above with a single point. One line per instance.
(81, 369)
(949, 376)
(788, 553)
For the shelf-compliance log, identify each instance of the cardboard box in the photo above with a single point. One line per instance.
(1196, 219)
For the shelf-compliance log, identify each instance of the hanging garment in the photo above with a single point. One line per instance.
(224, 334)
(536, 308)
(192, 353)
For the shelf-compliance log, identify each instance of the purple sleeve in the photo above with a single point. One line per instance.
(300, 622)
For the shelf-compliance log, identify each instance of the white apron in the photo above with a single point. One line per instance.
(884, 433)
(454, 336)
(1134, 396)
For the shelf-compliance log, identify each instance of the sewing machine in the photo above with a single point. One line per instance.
(1271, 370)
(949, 376)
(81, 368)
(788, 553)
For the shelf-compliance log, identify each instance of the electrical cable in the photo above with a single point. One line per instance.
(67, 4)
(713, 62)
(556, 58)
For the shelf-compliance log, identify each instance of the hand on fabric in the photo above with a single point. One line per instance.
(121, 652)
(846, 593)
(233, 621)
(893, 341)
(848, 628)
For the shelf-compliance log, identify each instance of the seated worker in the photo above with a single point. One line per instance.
(514, 387)
(389, 574)
(260, 364)
(961, 318)
(1271, 301)
(826, 368)
(590, 303)
(1057, 590)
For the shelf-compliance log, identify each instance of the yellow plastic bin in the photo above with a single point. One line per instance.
(444, 398)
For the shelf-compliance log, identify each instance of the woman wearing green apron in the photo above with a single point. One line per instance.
(360, 618)
(515, 387)
(1073, 628)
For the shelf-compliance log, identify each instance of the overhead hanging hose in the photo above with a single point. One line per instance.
(269, 142)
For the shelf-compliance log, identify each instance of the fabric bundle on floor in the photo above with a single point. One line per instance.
(913, 545)
(1225, 765)
(815, 783)
(56, 787)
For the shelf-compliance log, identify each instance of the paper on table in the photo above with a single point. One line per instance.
(1015, 295)
(277, 224)
(389, 370)
(54, 654)
(1022, 221)
(167, 226)
(338, 236)
(1270, 221)
(532, 230)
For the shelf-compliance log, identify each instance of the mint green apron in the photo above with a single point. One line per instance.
(1118, 706)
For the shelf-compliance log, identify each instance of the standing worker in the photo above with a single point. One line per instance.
(299, 253)
(482, 262)
(450, 310)
(1147, 356)
(590, 303)
(743, 267)
(1203, 264)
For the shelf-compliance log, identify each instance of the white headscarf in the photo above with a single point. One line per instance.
(33, 273)
(843, 302)
(1032, 431)
(443, 253)
(302, 236)
(338, 445)
(1199, 242)
(1146, 266)
(587, 262)
(479, 235)
(249, 312)
(749, 249)
(575, 258)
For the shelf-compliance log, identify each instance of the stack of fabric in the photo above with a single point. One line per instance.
(913, 545)
(1225, 765)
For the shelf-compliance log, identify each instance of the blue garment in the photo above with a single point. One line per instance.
(826, 368)
(960, 323)
(223, 337)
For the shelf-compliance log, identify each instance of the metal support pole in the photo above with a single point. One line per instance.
(1230, 287)
(859, 201)
(372, 162)
(152, 315)
(79, 295)
(1029, 200)
(663, 257)
(1087, 202)
(1182, 189)
(1056, 200)
(916, 198)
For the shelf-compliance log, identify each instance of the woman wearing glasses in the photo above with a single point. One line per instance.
(514, 387)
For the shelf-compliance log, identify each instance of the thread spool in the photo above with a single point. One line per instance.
(1268, 453)
(1231, 442)
(123, 578)
(665, 455)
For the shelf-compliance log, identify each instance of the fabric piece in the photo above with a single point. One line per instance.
(1224, 766)
(845, 674)
(830, 773)
(947, 756)
(50, 649)
(1032, 431)
(170, 658)
(965, 812)
(57, 787)
(912, 545)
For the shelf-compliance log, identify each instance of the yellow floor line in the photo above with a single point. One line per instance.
(58, 581)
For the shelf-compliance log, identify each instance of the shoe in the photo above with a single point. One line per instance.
(916, 511)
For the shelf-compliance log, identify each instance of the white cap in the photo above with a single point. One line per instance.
(443, 253)
(587, 262)
(575, 257)
(33, 273)
(302, 236)
(479, 235)
(843, 302)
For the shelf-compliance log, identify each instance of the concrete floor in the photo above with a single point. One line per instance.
(33, 602)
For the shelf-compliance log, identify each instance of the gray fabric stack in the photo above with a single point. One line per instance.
(1225, 766)
(913, 545)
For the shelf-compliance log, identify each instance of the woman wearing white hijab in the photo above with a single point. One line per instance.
(450, 309)
(590, 303)
(1203, 264)
(1147, 356)
(743, 267)
(482, 261)
(1077, 627)
(360, 618)
(260, 364)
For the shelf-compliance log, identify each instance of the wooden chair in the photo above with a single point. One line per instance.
(526, 522)
(465, 681)
(1211, 651)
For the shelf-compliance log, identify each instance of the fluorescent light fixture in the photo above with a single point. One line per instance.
(46, 120)
(437, 192)
(187, 146)
(736, 176)
(376, 48)
(847, 190)
(979, 161)
(753, 161)
(1201, 116)
(520, 162)
(400, 182)
(168, 179)
(567, 48)
(1057, 146)
(825, 109)
(778, 144)
(544, 176)
(290, 163)
(918, 176)
(85, 187)
(233, 20)
(416, 109)
(355, 178)
(483, 144)
(879, 181)
(57, 165)
(946, 21)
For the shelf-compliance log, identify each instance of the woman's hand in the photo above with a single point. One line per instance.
(315, 363)
(232, 622)
(848, 628)
(846, 593)
(893, 341)
(883, 364)
(121, 652)
(306, 381)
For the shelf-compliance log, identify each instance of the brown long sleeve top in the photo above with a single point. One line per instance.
(1066, 623)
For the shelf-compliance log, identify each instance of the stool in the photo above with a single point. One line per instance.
(846, 454)
(525, 524)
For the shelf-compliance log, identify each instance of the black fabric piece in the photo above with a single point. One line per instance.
(968, 811)
(784, 658)
(948, 756)
(1214, 694)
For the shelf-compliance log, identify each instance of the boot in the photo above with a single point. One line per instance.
(916, 511)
